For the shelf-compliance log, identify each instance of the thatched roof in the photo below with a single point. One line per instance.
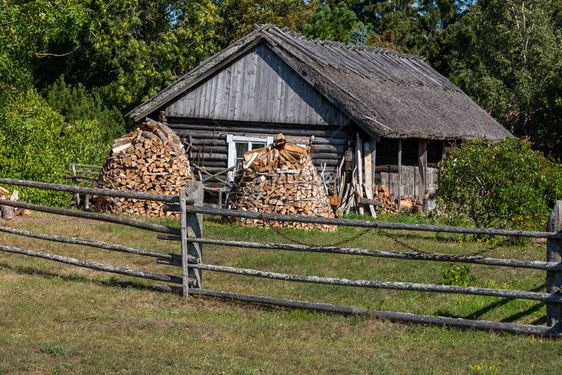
(387, 94)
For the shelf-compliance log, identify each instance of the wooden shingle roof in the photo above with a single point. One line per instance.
(387, 94)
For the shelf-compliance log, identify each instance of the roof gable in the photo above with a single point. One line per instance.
(256, 87)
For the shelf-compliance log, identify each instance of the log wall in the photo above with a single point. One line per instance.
(209, 146)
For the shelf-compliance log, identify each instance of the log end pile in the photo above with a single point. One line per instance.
(390, 203)
(281, 179)
(149, 159)
(9, 212)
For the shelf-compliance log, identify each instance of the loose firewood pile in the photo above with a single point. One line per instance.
(150, 159)
(389, 203)
(280, 178)
(8, 212)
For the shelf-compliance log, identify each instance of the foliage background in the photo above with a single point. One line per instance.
(86, 64)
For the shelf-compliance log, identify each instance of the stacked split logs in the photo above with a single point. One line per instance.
(8, 212)
(150, 159)
(390, 203)
(280, 178)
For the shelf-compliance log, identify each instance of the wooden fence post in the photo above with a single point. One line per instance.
(77, 197)
(554, 278)
(191, 226)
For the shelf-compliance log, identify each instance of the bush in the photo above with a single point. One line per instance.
(505, 185)
(37, 144)
(457, 275)
(76, 104)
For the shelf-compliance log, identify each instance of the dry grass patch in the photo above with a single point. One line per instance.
(57, 318)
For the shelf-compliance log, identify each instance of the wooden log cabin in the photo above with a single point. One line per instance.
(393, 112)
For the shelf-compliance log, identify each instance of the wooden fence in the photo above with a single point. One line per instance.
(83, 175)
(190, 278)
(189, 204)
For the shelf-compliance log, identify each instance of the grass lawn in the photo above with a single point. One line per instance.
(56, 318)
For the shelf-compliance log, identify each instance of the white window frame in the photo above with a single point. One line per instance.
(231, 140)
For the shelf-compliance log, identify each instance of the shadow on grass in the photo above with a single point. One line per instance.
(499, 303)
(112, 282)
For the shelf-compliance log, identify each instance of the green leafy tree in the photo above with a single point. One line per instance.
(36, 143)
(129, 50)
(26, 30)
(332, 23)
(238, 17)
(77, 104)
(506, 185)
(508, 57)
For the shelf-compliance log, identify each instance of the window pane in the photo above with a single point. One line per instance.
(256, 145)
(241, 149)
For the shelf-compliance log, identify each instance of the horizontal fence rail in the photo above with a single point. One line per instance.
(87, 166)
(95, 265)
(366, 223)
(185, 279)
(96, 244)
(546, 297)
(553, 297)
(93, 216)
(191, 238)
(93, 191)
(531, 264)
(394, 316)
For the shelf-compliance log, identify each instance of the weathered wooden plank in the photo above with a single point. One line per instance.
(94, 265)
(368, 176)
(393, 285)
(93, 191)
(212, 156)
(221, 134)
(554, 278)
(372, 224)
(208, 164)
(358, 166)
(194, 223)
(271, 97)
(93, 216)
(422, 166)
(96, 244)
(373, 159)
(399, 173)
(394, 316)
(330, 162)
(184, 243)
(435, 257)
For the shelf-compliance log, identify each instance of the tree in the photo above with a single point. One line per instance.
(129, 50)
(505, 185)
(36, 143)
(332, 23)
(239, 16)
(508, 57)
(26, 29)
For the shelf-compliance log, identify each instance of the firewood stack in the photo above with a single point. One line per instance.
(280, 178)
(390, 203)
(8, 212)
(150, 159)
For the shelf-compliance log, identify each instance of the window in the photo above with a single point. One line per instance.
(239, 145)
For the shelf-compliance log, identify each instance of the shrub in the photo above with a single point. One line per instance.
(77, 104)
(505, 185)
(37, 144)
(457, 275)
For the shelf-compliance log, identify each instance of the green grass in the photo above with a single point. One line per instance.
(56, 318)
